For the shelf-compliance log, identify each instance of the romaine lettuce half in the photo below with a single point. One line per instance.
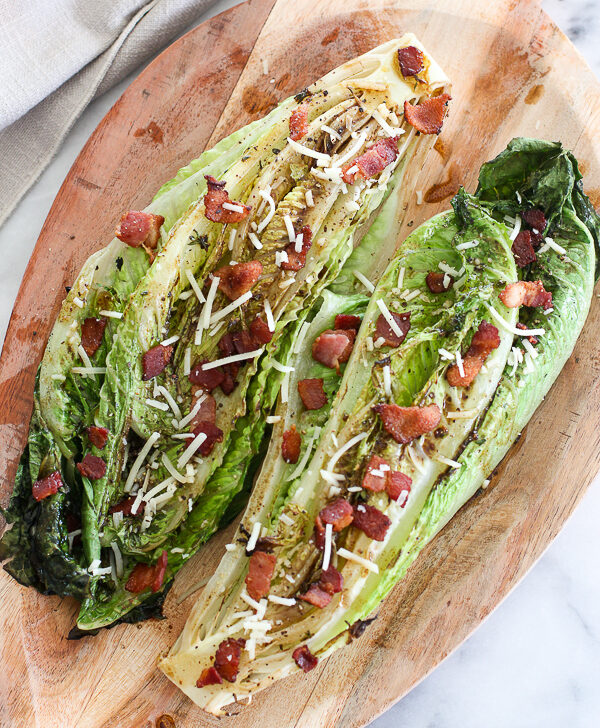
(478, 425)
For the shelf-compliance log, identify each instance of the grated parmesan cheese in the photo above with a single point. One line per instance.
(351, 556)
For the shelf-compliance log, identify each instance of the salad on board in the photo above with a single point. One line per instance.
(246, 345)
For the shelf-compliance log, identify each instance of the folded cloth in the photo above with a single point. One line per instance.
(55, 57)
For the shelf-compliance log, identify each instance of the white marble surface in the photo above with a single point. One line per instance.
(536, 660)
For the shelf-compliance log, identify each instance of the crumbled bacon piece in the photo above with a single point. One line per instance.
(147, 576)
(375, 482)
(526, 293)
(213, 434)
(428, 116)
(299, 123)
(208, 408)
(160, 569)
(296, 260)
(522, 249)
(484, 341)
(260, 331)
(384, 330)
(372, 161)
(228, 384)
(155, 360)
(260, 573)
(304, 658)
(47, 486)
(534, 219)
(235, 280)
(331, 580)
(92, 467)
(371, 521)
(405, 424)
(319, 534)
(410, 60)
(243, 342)
(333, 348)
(140, 228)
(312, 393)
(347, 321)
(124, 506)
(214, 198)
(92, 331)
(208, 379)
(531, 339)
(316, 596)
(290, 446)
(435, 282)
(209, 676)
(397, 484)
(227, 658)
(319, 594)
(98, 436)
(338, 513)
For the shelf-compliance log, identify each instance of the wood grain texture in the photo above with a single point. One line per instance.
(513, 73)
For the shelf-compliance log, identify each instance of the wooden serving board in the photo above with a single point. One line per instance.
(514, 73)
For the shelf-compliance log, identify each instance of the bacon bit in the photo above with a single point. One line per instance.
(331, 580)
(47, 486)
(357, 629)
(316, 596)
(384, 330)
(92, 467)
(98, 436)
(374, 483)
(213, 434)
(535, 219)
(160, 569)
(346, 321)
(338, 513)
(522, 249)
(312, 393)
(207, 411)
(398, 483)
(533, 340)
(526, 293)
(260, 331)
(371, 521)
(214, 198)
(333, 348)
(484, 341)
(140, 228)
(260, 573)
(92, 331)
(319, 534)
(372, 161)
(295, 260)
(304, 658)
(428, 116)
(207, 380)
(299, 123)
(209, 676)
(243, 342)
(405, 424)
(227, 658)
(435, 282)
(124, 507)
(147, 576)
(229, 384)
(290, 446)
(155, 360)
(235, 280)
(410, 60)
